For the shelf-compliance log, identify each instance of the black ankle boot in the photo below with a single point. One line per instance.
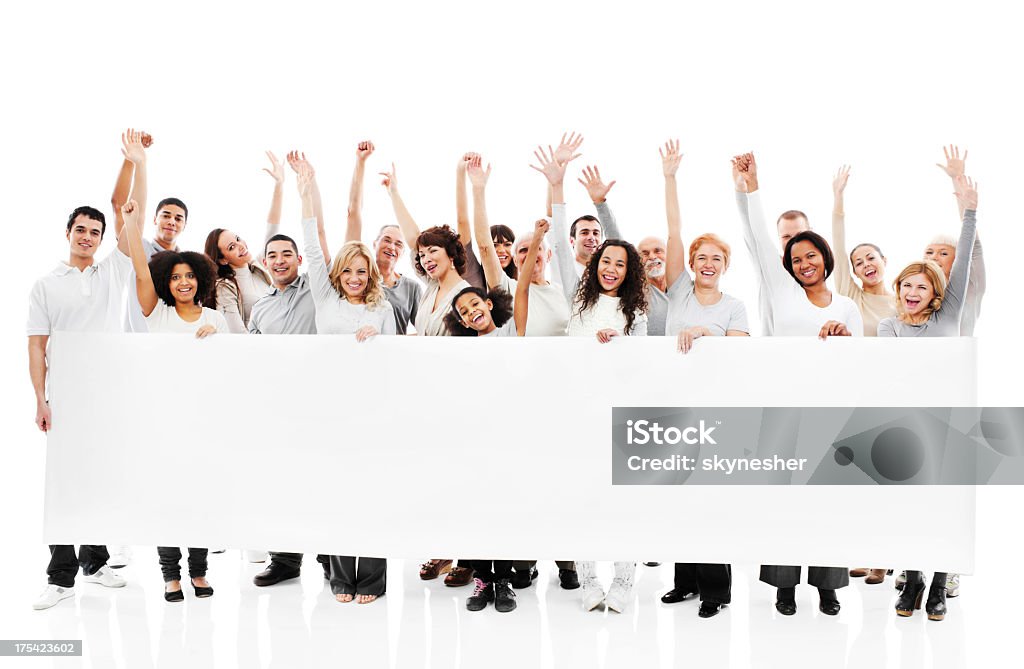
(785, 601)
(910, 598)
(828, 603)
(936, 605)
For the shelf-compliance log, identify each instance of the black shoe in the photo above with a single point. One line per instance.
(175, 596)
(202, 591)
(936, 605)
(652, 564)
(568, 579)
(709, 609)
(785, 601)
(504, 598)
(523, 579)
(674, 596)
(274, 574)
(827, 602)
(483, 594)
(910, 598)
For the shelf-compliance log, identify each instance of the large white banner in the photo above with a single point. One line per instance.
(453, 447)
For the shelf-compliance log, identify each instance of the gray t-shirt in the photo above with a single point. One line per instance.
(405, 297)
(685, 311)
(506, 330)
(288, 311)
(657, 311)
(946, 321)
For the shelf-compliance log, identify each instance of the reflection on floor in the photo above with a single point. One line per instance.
(425, 624)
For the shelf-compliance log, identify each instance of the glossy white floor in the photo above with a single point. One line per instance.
(298, 624)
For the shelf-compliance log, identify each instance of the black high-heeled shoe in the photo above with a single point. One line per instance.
(202, 591)
(936, 604)
(174, 595)
(910, 599)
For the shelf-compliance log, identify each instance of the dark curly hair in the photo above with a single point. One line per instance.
(224, 270)
(819, 243)
(161, 266)
(503, 233)
(501, 311)
(446, 238)
(632, 291)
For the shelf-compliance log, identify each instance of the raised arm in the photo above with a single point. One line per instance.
(675, 250)
(954, 168)
(354, 222)
(554, 172)
(144, 288)
(406, 223)
(755, 226)
(967, 197)
(135, 153)
(123, 185)
(521, 304)
(597, 189)
(478, 176)
(276, 172)
(319, 280)
(843, 273)
(461, 201)
(297, 160)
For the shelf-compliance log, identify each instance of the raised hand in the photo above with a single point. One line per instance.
(549, 167)
(596, 188)
(541, 227)
(147, 139)
(670, 157)
(833, 329)
(297, 159)
(839, 180)
(363, 151)
(565, 152)
(744, 171)
(954, 166)
(464, 161)
(390, 180)
(365, 332)
(130, 212)
(477, 175)
(132, 147)
(966, 192)
(276, 169)
(304, 179)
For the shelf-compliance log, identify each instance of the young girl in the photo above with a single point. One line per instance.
(175, 292)
(349, 300)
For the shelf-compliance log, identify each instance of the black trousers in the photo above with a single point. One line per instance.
(526, 565)
(368, 578)
(490, 571)
(826, 578)
(170, 562)
(64, 564)
(938, 579)
(712, 581)
(294, 560)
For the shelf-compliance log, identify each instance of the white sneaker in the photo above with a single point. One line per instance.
(952, 585)
(120, 556)
(618, 595)
(106, 578)
(256, 556)
(593, 594)
(52, 595)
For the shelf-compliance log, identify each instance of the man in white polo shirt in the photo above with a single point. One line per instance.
(79, 295)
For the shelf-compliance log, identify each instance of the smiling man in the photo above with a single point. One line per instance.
(652, 252)
(79, 295)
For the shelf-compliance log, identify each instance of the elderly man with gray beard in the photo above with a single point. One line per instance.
(652, 252)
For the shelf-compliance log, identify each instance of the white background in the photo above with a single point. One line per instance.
(808, 86)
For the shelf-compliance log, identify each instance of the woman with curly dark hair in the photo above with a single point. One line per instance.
(610, 299)
(438, 257)
(175, 292)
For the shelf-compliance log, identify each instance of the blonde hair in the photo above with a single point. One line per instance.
(935, 276)
(710, 238)
(374, 293)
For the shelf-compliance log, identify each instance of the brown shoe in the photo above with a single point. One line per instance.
(459, 576)
(431, 569)
(859, 572)
(875, 576)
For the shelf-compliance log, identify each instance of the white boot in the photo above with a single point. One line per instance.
(622, 587)
(593, 593)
